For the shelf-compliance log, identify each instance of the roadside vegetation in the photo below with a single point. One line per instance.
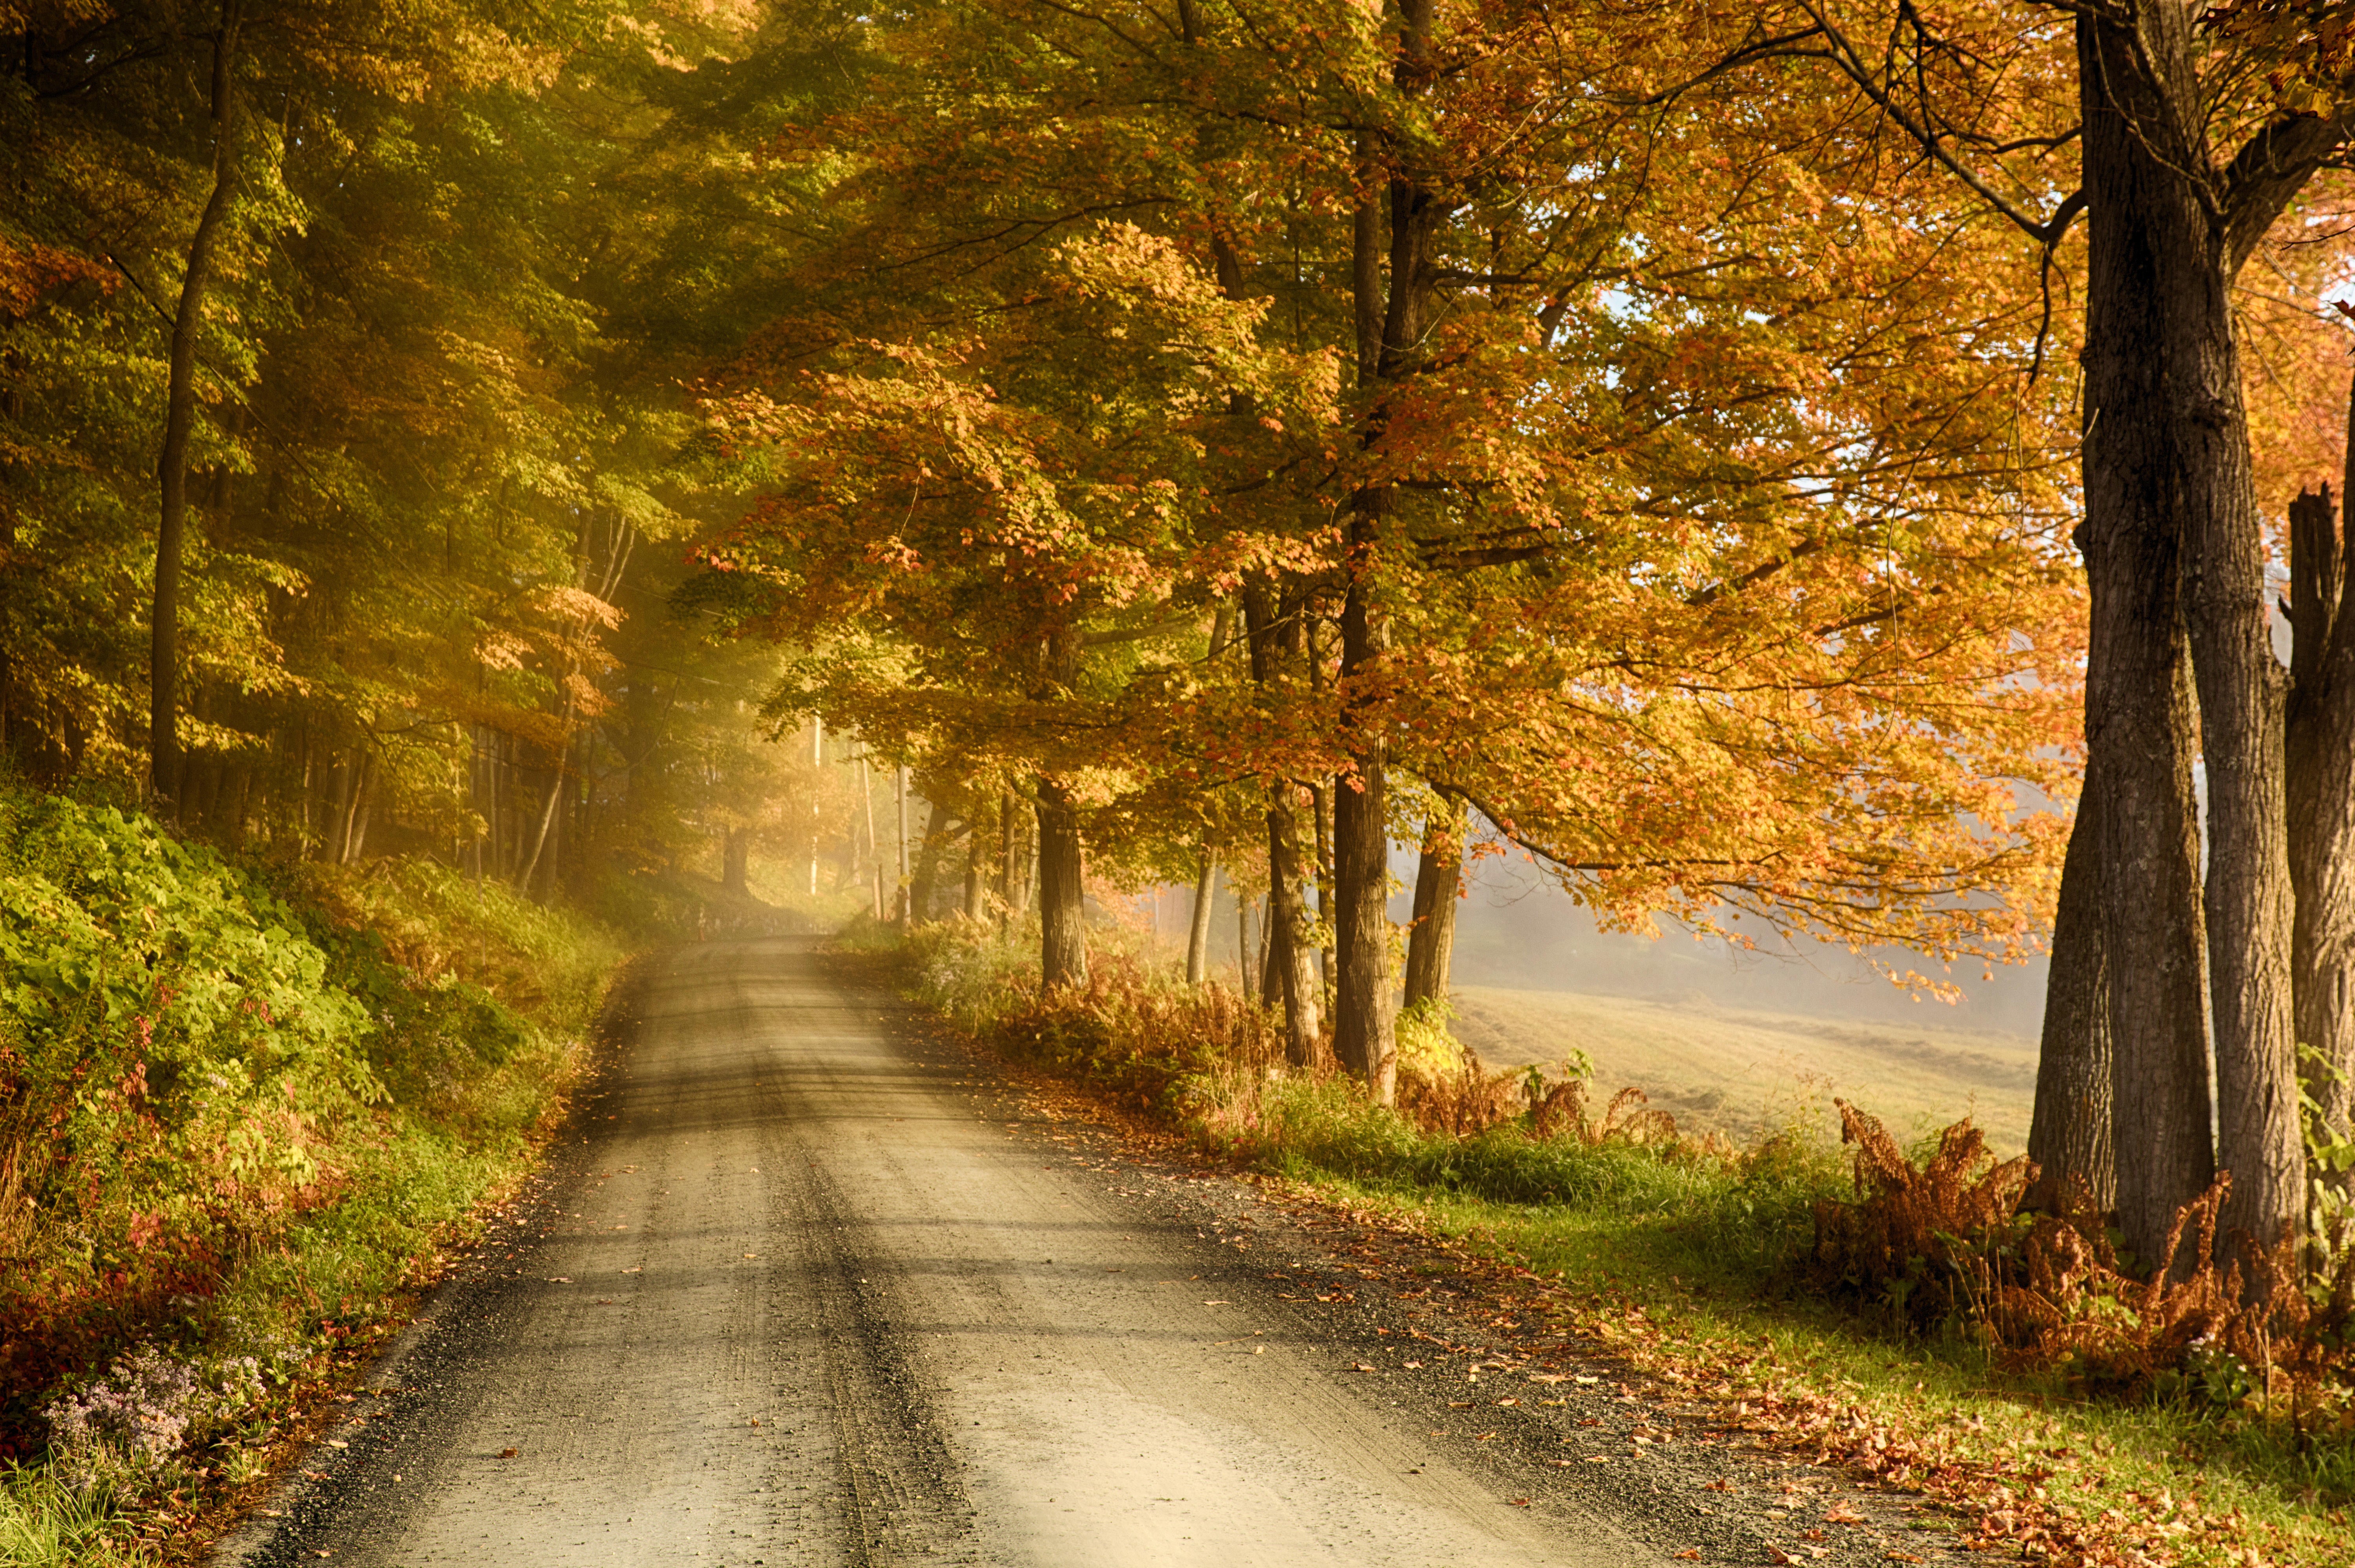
(242, 1109)
(1890, 1307)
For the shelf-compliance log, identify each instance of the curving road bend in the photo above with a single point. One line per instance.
(801, 1291)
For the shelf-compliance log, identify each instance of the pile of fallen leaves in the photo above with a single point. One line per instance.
(1947, 1240)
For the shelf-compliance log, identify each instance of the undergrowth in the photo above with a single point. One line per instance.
(240, 1108)
(1906, 1280)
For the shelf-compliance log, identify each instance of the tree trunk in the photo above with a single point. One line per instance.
(735, 861)
(180, 421)
(921, 893)
(900, 797)
(1438, 886)
(2321, 798)
(1007, 818)
(2251, 910)
(1063, 906)
(1291, 978)
(2156, 337)
(2070, 1133)
(1290, 955)
(975, 910)
(1362, 1018)
(1198, 933)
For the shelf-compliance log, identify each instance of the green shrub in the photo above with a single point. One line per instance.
(238, 1104)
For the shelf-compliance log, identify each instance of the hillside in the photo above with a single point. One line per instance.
(1743, 1072)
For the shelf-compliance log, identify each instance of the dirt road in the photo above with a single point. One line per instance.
(804, 1289)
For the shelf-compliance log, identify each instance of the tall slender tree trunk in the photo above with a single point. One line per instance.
(1062, 895)
(2071, 1134)
(1362, 1016)
(179, 421)
(2251, 909)
(1290, 955)
(938, 828)
(2321, 798)
(1438, 886)
(1290, 975)
(976, 911)
(900, 802)
(736, 861)
(2158, 340)
(1198, 931)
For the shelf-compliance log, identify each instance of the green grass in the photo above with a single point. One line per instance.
(249, 1104)
(1711, 1311)
(44, 1524)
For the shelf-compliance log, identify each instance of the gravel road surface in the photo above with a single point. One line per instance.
(802, 1286)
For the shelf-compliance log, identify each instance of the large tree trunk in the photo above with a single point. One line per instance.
(2250, 907)
(179, 421)
(2157, 337)
(2321, 798)
(1198, 933)
(1062, 940)
(2071, 1134)
(1438, 886)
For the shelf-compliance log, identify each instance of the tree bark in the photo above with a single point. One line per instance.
(1062, 939)
(975, 910)
(1290, 955)
(1197, 934)
(2156, 337)
(1362, 1018)
(1438, 886)
(736, 860)
(2321, 799)
(179, 421)
(1288, 949)
(925, 888)
(2070, 1135)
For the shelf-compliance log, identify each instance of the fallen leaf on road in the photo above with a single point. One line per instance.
(337, 1443)
(1218, 1304)
(640, 1269)
(1459, 1404)
(1598, 1459)
(1840, 1513)
(1359, 1367)
(1777, 1554)
(507, 1453)
(558, 1279)
(1414, 1366)
(1690, 1554)
(1720, 1486)
(1509, 1400)
(1521, 1503)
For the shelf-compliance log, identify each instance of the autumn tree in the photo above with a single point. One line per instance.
(2181, 137)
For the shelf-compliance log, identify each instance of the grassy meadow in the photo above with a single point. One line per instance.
(1748, 1072)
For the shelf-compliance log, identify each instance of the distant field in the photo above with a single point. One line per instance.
(1744, 1072)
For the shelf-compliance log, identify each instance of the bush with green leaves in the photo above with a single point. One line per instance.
(238, 1107)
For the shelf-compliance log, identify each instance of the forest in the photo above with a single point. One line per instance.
(1854, 471)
